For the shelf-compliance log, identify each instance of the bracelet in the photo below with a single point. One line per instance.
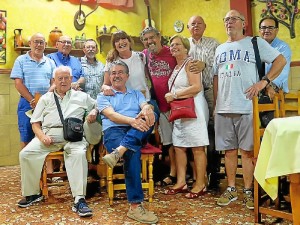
(32, 100)
(174, 95)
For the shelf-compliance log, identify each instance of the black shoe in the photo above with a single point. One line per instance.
(82, 208)
(213, 182)
(29, 200)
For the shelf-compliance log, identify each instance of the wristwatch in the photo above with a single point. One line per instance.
(266, 79)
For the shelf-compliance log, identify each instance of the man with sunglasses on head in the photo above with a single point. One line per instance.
(268, 29)
(236, 81)
(63, 57)
(32, 73)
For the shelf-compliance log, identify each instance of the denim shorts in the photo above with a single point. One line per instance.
(25, 128)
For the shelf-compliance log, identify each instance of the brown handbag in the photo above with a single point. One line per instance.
(182, 108)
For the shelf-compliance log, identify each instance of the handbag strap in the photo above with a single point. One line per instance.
(185, 61)
(260, 67)
(59, 109)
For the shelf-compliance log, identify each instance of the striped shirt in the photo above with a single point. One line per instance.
(93, 75)
(204, 50)
(36, 76)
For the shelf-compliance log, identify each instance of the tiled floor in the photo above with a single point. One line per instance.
(170, 209)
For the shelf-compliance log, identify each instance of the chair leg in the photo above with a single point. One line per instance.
(295, 197)
(44, 185)
(257, 196)
(101, 167)
(150, 174)
(144, 168)
(110, 185)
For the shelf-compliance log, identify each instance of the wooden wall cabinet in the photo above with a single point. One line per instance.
(74, 52)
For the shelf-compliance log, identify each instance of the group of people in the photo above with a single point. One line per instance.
(222, 79)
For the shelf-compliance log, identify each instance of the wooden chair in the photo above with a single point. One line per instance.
(289, 104)
(44, 184)
(260, 200)
(147, 157)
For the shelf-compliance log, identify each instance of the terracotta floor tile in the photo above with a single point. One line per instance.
(170, 209)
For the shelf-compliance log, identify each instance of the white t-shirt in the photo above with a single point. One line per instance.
(235, 67)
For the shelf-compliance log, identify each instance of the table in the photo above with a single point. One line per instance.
(279, 155)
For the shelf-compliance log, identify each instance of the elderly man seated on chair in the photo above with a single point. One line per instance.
(127, 120)
(47, 126)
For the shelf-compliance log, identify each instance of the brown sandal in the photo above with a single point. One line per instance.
(174, 191)
(192, 195)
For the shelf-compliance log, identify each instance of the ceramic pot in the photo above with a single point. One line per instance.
(54, 36)
(18, 38)
(79, 41)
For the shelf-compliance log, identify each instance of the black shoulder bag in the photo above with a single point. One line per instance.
(73, 127)
(263, 98)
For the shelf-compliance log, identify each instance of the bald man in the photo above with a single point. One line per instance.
(203, 49)
(236, 81)
(32, 73)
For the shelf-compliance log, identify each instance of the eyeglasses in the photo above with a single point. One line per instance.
(233, 19)
(37, 42)
(66, 42)
(120, 72)
(151, 38)
(270, 28)
(90, 47)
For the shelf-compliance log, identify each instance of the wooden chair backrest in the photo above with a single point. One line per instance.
(258, 130)
(289, 104)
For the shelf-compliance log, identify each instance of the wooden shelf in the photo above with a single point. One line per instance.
(74, 52)
(102, 38)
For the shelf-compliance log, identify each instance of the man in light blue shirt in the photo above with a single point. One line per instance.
(127, 121)
(268, 28)
(32, 74)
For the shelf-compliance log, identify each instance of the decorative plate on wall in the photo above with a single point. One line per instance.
(178, 26)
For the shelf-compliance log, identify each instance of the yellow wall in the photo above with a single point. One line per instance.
(283, 34)
(213, 12)
(43, 15)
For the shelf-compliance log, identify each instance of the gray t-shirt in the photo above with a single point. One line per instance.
(235, 67)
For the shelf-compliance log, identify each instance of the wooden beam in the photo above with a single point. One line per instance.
(5, 71)
(244, 7)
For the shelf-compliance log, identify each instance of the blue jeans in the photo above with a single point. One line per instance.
(133, 140)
